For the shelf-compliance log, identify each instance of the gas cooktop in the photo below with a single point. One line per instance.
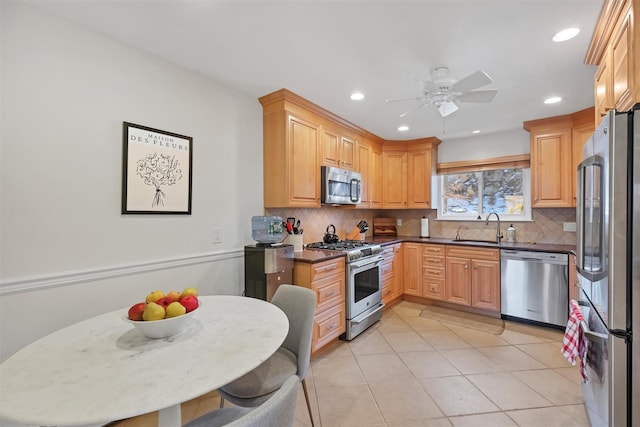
(355, 249)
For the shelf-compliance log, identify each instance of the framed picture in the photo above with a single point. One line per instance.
(156, 171)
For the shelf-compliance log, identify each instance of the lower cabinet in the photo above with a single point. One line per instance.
(412, 264)
(391, 273)
(473, 277)
(327, 280)
(433, 271)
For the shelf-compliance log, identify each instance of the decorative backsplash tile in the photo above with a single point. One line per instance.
(546, 227)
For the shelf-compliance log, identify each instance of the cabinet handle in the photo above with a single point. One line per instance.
(466, 266)
(332, 325)
(329, 268)
(332, 293)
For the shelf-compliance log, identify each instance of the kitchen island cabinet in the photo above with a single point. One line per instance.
(327, 280)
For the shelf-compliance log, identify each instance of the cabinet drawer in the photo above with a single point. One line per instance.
(386, 268)
(329, 291)
(433, 288)
(387, 293)
(432, 260)
(326, 269)
(433, 250)
(329, 325)
(434, 272)
(474, 253)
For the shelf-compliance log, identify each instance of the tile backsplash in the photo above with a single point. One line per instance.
(546, 227)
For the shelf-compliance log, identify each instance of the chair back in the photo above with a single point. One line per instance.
(278, 411)
(299, 304)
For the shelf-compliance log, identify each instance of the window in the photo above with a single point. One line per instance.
(465, 195)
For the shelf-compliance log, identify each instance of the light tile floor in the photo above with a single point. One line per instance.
(409, 371)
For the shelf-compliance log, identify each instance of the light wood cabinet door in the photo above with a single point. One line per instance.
(394, 180)
(375, 188)
(364, 167)
(330, 147)
(551, 168)
(347, 153)
(485, 284)
(574, 289)
(458, 280)
(621, 60)
(412, 266)
(603, 87)
(419, 179)
(304, 182)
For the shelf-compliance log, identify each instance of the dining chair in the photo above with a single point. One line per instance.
(292, 358)
(278, 411)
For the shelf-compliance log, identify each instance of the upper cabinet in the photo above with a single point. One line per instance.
(615, 49)
(408, 169)
(556, 151)
(300, 137)
(338, 149)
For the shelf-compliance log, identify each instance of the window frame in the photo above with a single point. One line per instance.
(526, 216)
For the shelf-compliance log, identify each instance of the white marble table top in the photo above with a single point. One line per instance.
(102, 369)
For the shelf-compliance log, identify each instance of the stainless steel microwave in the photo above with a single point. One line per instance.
(340, 186)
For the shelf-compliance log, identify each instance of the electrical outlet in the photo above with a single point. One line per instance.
(569, 226)
(217, 235)
(399, 222)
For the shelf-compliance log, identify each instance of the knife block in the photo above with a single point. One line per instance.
(354, 234)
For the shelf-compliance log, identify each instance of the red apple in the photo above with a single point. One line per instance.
(190, 302)
(136, 310)
(164, 302)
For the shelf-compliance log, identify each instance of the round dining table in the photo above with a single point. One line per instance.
(103, 369)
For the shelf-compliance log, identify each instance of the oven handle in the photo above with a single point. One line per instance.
(366, 261)
(356, 322)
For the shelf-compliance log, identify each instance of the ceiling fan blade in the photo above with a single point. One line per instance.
(478, 96)
(414, 109)
(471, 82)
(405, 99)
(447, 108)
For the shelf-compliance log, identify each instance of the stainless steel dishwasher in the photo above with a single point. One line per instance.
(535, 286)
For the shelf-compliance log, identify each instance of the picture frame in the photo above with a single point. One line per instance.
(157, 171)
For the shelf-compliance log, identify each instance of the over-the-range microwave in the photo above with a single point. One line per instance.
(340, 186)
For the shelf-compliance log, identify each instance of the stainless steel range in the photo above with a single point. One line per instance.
(364, 286)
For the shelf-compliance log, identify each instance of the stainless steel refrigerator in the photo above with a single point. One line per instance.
(608, 266)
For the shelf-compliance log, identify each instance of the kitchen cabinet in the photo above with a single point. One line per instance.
(433, 271)
(419, 171)
(556, 151)
(473, 277)
(327, 280)
(394, 179)
(574, 289)
(391, 273)
(375, 187)
(615, 49)
(338, 150)
(412, 265)
(365, 160)
(407, 173)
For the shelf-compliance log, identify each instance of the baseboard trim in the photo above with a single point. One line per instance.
(90, 275)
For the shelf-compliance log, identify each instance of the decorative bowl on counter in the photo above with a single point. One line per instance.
(161, 328)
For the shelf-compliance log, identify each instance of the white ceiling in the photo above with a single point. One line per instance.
(323, 50)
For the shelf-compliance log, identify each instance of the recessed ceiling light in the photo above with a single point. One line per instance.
(403, 128)
(565, 35)
(552, 100)
(357, 96)
(476, 131)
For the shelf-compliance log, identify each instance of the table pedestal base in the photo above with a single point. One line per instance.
(170, 417)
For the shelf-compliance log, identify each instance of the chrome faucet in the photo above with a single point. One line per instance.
(498, 233)
(458, 237)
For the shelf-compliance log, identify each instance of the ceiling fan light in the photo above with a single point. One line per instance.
(565, 34)
(447, 108)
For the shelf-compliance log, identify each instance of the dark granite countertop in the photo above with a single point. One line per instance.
(315, 255)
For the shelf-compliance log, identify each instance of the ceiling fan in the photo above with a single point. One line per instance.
(446, 93)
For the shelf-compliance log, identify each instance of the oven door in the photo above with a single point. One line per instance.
(363, 285)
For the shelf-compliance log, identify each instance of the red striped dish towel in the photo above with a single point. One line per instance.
(574, 344)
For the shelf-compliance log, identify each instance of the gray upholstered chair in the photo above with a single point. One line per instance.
(292, 358)
(278, 411)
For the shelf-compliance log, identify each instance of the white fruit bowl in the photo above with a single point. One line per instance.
(161, 328)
